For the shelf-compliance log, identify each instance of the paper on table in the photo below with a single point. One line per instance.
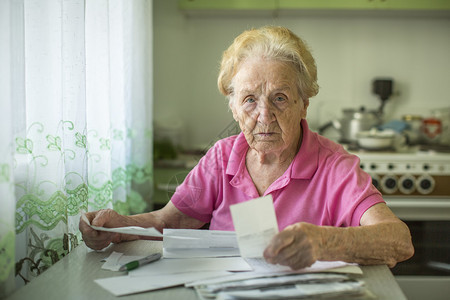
(135, 230)
(318, 266)
(116, 259)
(125, 285)
(194, 238)
(182, 265)
(255, 224)
(194, 243)
(336, 290)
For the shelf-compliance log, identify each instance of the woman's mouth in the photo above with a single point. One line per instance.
(265, 134)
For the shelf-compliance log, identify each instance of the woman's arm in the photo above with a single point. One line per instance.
(382, 238)
(167, 217)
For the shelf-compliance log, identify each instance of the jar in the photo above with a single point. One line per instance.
(443, 114)
(413, 128)
(431, 130)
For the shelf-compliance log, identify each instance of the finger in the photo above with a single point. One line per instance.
(295, 257)
(98, 239)
(278, 243)
(102, 217)
(296, 254)
(85, 228)
(90, 215)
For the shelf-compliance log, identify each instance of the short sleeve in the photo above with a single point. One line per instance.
(197, 195)
(353, 191)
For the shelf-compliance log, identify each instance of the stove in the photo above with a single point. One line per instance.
(416, 187)
(408, 174)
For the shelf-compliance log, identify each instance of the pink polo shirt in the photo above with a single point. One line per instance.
(324, 185)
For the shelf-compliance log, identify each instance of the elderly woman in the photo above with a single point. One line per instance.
(326, 206)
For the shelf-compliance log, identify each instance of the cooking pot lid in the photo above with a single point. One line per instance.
(362, 109)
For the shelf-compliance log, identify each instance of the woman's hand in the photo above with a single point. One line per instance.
(98, 240)
(167, 217)
(381, 239)
(297, 246)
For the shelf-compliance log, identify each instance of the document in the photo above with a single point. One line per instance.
(209, 261)
(255, 224)
(252, 285)
(335, 290)
(126, 285)
(339, 267)
(183, 265)
(116, 259)
(135, 230)
(193, 243)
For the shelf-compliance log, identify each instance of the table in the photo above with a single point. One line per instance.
(73, 277)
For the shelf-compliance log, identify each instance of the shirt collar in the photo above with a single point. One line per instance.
(303, 166)
(307, 159)
(237, 155)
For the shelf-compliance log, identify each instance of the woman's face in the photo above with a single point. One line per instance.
(267, 105)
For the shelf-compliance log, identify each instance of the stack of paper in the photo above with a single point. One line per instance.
(208, 260)
(276, 286)
(167, 272)
(188, 243)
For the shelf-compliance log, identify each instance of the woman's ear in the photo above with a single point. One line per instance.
(305, 108)
(306, 103)
(232, 108)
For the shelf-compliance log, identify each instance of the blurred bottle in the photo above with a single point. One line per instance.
(432, 130)
(413, 129)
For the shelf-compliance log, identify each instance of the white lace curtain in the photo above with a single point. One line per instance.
(75, 123)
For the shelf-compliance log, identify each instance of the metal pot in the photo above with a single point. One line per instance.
(354, 121)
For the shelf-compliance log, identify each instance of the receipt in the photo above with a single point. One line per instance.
(135, 230)
(255, 223)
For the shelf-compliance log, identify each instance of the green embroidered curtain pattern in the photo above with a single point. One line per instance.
(75, 123)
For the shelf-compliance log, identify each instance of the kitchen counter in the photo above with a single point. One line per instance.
(73, 277)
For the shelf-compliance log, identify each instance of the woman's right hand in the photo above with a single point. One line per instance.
(98, 240)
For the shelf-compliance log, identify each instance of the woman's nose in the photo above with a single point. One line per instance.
(265, 113)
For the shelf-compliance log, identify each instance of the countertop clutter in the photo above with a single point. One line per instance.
(73, 277)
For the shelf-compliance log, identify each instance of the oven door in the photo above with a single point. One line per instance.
(427, 274)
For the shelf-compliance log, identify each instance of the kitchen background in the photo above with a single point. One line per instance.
(350, 48)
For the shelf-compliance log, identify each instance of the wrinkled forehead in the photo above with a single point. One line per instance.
(256, 75)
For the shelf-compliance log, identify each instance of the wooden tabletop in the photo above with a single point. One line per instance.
(73, 278)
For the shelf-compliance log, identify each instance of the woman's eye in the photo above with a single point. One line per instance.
(280, 98)
(249, 100)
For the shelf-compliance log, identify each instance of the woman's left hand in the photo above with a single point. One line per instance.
(297, 246)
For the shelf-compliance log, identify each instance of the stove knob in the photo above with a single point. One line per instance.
(376, 181)
(425, 184)
(407, 184)
(389, 184)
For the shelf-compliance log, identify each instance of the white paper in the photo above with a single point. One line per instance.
(341, 290)
(274, 281)
(318, 266)
(255, 223)
(116, 259)
(135, 230)
(182, 265)
(195, 238)
(125, 285)
(194, 243)
(259, 264)
(199, 253)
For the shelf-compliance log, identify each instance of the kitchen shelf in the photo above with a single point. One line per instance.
(300, 7)
(366, 4)
(168, 174)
